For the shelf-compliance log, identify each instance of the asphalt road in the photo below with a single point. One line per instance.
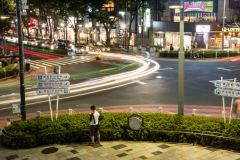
(159, 88)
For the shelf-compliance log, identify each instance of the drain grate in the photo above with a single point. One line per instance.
(49, 150)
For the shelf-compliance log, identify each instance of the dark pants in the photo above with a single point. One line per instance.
(94, 130)
(27, 66)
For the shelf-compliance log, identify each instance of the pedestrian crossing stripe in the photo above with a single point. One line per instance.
(57, 62)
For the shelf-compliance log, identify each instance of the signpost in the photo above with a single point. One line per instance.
(53, 84)
(227, 89)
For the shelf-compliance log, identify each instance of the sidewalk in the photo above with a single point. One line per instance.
(125, 150)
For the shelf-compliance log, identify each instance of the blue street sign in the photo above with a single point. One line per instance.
(53, 84)
(226, 92)
(45, 77)
(56, 91)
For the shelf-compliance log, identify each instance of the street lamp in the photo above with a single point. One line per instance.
(223, 18)
(86, 26)
(181, 56)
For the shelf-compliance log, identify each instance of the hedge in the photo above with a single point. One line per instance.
(71, 128)
(9, 71)
(204, 54)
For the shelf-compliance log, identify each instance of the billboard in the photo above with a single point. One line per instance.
(198, 6)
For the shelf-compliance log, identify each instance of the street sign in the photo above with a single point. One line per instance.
(227, 84)
(45, 77)
(53, 84)
(53, 91)
(16, 108)
(25, 7)
(23, 13)
(24, 1)
(226, 92)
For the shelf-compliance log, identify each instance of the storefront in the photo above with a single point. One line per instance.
(166, 33)
(231, 38)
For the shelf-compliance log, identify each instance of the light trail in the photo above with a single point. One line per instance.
(107, 81)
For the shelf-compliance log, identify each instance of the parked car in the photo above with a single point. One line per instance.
(32, 42)
(103, 48)
(80, 49)
(42, 42)
(51, 45)
(61, 44)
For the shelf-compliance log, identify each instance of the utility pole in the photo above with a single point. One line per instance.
(21, 54)
(223, 19)
(126, 26)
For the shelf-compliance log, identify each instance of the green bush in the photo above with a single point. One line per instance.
(70, 128)
(9, 71)
(204, 54)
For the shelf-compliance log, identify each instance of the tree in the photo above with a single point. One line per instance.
(104, 12)
(5, 25)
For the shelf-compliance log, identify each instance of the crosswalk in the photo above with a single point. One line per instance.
(60, 62)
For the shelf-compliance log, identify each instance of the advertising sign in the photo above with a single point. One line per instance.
(203, 28)
(148, 17)
(198, 6)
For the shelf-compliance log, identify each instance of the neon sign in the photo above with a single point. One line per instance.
(198, 6)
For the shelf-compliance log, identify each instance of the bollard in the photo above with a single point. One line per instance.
(70, 111)
(194, 112)
(216, 54)
(8, 121)
(131, 109)
(100, 110)
(160, 110)
(223, 113)
(228, 53)
(39, 113)
(203, 54)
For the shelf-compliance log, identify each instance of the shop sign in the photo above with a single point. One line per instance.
(202, 28)
(200, 6)
(231, 29)
(147, 17)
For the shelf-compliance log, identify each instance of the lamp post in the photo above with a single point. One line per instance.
(20, 50)
(223, 18)
(181, 56)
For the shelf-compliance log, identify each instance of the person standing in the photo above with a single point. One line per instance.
(171, 47)
(27, 64)
(94, 126)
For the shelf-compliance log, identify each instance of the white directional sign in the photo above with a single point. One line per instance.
(227, 84)
(226, 92)
(53, 91)
(53, 84)
(46, 77)
(24, 1)
(25, 7)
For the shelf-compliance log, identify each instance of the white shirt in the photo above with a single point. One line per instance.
(95, 116)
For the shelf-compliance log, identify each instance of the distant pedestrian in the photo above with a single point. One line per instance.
(27, 64)
(236, 108)
(94, 126)
(4, 62)
(15, 69)
(55, 71)
(195, 43)
(171, 47)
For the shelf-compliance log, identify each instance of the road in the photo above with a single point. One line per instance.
(158, 89)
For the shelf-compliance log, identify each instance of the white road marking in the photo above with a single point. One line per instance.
(220, 79)
(140, 82)
(224, 69)
(165, 68)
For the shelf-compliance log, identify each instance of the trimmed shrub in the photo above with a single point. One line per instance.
(204, 54)
(70, 128)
